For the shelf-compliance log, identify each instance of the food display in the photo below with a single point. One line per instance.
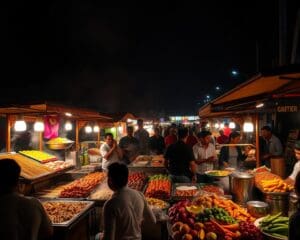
(30, 169)
(59, 140)
(62, 212)
(82, 187)
(102, 194)
(159, 186)
(269, 182)
(211, 217)
(157, 203)
(218, 173)
(58, 165)
(136, 180)
(275, 226)
(210, 188)
(184, 190)
(39, 156)
(157, 161)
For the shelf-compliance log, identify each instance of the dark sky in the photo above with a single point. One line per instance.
(160, 59)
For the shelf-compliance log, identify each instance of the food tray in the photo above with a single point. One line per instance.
(212, 184)
(31, 154)
(269, 236)
(104, 188)
(176, 185)
(161, 198)
(215, 173)
(89, 205)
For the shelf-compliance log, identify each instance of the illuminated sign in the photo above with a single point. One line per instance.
(287, 108)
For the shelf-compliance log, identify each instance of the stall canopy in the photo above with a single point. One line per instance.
(259, 89)
(122, 117)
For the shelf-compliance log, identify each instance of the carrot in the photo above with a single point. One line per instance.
(232, 227)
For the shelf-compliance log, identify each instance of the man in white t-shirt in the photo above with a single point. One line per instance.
(205, 155)
(291, 179)
(110, 151)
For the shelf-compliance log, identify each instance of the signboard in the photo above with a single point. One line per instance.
(287, 108)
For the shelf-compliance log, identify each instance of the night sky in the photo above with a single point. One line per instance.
(153, 61)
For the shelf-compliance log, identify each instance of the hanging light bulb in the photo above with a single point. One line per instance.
(232, 125)
(120, 128)
(222, 125)
(96, 129)
(20, 126)
(68, 126)
(38, 126)
(88, 129)
(248, 127)
(217, 125)
(207, 125)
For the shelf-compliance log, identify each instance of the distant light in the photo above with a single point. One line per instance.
(96, 129)
(20, 126)
(207, 96)
(38, 126)
(259, 105)
(207, 125)
(217, 125)
(88, 129)
(248, 127)
(222, 125)
(68, 126)
(68, 114)
(232, 125)
(234, 72)
(218, 88)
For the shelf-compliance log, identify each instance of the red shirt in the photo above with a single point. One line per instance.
(227, 131)
(170, 139)
(222, 139)
(191, 140)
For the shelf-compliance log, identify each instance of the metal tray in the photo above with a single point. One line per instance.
(89, 205)
(175, 185)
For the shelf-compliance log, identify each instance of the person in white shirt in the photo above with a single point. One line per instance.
(205, 155)
(291, 179)
(124, 213)
(110, 151)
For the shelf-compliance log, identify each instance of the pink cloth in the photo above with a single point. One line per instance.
(51, 127)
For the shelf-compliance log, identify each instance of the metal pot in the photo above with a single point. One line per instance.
(257, 208)
(241, 186)
(278, 202)
(293, 203)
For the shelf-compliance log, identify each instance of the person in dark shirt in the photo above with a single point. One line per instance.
(294, 223)
(157, 143)
(130, 146)
(191, 139)
(179, 160)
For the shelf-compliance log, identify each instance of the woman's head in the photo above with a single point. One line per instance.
(234, 137)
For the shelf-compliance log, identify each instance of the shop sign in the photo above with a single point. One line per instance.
(288, 108)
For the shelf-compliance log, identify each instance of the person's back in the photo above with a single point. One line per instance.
(20, 217)
(128, 206)
(124, 212)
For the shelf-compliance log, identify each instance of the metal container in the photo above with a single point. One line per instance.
(293, 203)
(278, 202)
(257, 209)
(241, 186)
(278, 166)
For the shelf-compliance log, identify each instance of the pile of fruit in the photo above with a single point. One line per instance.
(269, 182)
(157, 203)
(159, 186)
(211, 217)
(137, 180)
(276, 225)
(40, 156)
(82, 187)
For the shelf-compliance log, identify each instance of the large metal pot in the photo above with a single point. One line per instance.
(241, 186)
(278, 202)
(293, 203)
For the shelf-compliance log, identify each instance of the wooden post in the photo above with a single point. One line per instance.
(8, 127)
(77, 135)
(41, 141)
(257, 153)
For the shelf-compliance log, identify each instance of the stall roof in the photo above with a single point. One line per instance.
(122, 117)
(258, 88)
(52, 108)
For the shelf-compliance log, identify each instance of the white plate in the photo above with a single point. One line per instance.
(256, 223)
